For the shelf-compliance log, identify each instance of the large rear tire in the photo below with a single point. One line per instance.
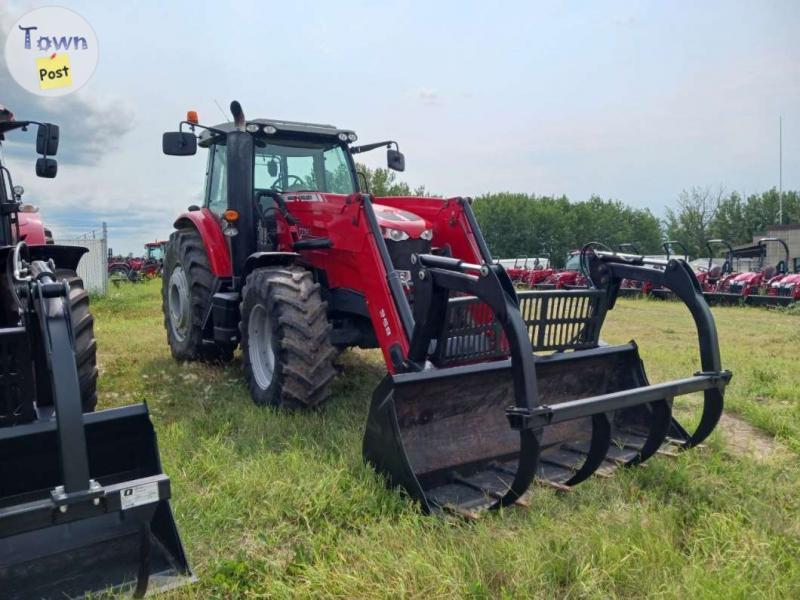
(186, 289)
(286, 348)
(85, 344)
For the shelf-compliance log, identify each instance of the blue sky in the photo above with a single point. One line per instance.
(633, 100)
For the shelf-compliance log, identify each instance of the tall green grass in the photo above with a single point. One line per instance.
(272, 504)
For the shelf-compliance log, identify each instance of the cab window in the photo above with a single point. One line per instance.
(217, 182)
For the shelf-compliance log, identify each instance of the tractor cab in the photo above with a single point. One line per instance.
(260, 169)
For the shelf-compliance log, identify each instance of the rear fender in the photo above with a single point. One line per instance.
(215, 243)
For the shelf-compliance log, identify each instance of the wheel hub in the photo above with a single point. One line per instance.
(261, 353)
(179, 306)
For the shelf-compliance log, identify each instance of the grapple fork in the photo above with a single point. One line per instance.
(477, 415)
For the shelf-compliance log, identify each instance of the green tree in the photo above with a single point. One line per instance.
(693, 219)
(383, 182)
(528, 225)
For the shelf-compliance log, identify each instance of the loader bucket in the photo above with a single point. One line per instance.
(485, 416)
(123, 537)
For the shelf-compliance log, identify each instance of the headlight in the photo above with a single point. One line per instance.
(352, 137)
(343, 137)
(270, 129)
(229, 229)
(251, 128)
(395, 235)
(427, 235)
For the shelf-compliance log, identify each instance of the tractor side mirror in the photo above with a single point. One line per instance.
(46, 167)
(179, 143)
(395, 160)
(47, 139)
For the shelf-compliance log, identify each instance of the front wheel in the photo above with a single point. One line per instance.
(286, 348)
(186, 291)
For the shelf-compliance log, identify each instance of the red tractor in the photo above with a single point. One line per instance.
(84, 503)
(710, 277)
(129, 270)
(570, 277)
(777, 286)
(519, 270)
(291, 260)
(631, 288)
(737, 288)
(153, 262)
(538, 274)
(785, 290)
(528, 272)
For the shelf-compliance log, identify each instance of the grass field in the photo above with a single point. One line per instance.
(272, 504)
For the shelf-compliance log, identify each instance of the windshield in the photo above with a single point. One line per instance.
(303, 166)
(155, 252)
(573, 263)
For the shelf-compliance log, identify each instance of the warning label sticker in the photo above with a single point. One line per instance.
(136, 496)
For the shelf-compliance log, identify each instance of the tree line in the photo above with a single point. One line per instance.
(518, 224)
(701, 214)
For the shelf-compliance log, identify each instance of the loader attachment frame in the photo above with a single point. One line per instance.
(475, 435)
(84, 502)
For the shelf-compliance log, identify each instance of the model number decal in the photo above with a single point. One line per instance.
(385, 322)
(136, 496)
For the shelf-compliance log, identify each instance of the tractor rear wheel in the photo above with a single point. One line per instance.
(186, 289)
(286, 348)
(85, 344)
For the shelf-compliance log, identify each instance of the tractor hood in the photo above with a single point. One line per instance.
(401, 220)
(787, 281)
(749, 277)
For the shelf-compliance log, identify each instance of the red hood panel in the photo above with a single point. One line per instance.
(31, 229)
(396, 218)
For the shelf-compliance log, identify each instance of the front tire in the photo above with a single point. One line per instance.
(85, 345)
(186, 296)
(286, 348)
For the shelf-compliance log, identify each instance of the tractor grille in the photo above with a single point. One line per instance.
(557, 320)
(785, 291)
(16, 378)
(735, 288)
(400, 253)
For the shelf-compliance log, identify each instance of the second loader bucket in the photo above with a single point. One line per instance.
(84, 502)
(118, 533)
(463, 437)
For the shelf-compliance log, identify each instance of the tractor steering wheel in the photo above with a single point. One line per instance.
(276, 186)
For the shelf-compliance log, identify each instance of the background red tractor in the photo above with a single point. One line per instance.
(631, 288)
(132, 269)
(538, 274)
(291, 260)
(774, 279)
(736, 288)
(567, 278)
(710, 277)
